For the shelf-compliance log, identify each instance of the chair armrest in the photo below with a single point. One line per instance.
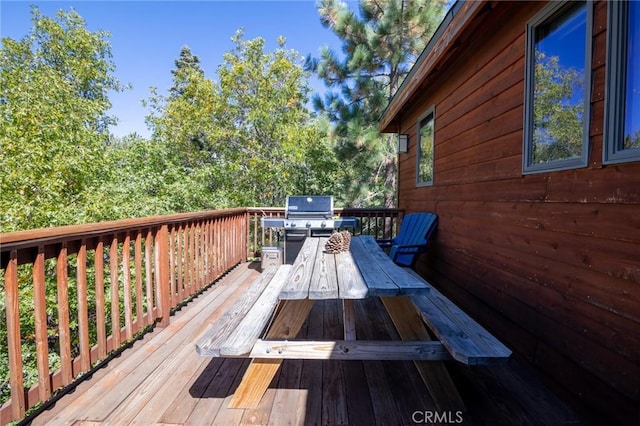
(410, 246)
(386, 243)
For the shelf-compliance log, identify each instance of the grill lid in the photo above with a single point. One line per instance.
(305, 206)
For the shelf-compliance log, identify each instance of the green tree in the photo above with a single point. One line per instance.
(380, 43)
(186, 64)
(267, 132)
(185, 132)
(632, 141)
(184, 119)
(558, 110)
(147, 178)
(246, 139)
(54, 102)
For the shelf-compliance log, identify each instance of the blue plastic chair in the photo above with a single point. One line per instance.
(413, 238)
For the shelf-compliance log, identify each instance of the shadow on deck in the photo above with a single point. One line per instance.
(161, 379)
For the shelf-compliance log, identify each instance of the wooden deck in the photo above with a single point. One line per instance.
(161, 380)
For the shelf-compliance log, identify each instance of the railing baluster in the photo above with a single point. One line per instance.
(192, 259)
(172, 267)
(210, 272)
(149, 279)
(180, 256)
(101, 328)
(198, 253)
(42, 336)
(187, 259)
(126, 278)
(162, 274)
(115, 290)
(83, 310)
(138, 271)
(64, 338)
(218, 247)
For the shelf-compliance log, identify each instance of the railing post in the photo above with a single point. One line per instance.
(162, 270)
(14, 340)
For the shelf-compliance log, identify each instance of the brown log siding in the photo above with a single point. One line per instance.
(550, 262)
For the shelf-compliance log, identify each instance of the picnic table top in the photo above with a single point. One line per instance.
(363, 271)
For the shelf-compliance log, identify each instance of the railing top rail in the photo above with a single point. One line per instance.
(370, 209)
(265, 209)
(337, 209)
(42, 236)
(32, 237)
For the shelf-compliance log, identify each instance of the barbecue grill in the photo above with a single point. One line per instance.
(307, 216)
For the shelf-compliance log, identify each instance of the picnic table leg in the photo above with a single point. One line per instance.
(290, 316)
(434, 374)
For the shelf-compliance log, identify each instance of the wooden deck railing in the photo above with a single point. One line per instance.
(72, 295)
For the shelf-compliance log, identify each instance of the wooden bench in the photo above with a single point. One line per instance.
(235, 333)
(465, 339)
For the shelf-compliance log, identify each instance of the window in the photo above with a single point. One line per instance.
(622, 133)
(424, 166)
(557, 84)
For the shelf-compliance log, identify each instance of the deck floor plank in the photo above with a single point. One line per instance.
(212, 406)
(186, 398)
(334, 385)
(160, 379)
(311, 374)
(382, 395)
(289, 398)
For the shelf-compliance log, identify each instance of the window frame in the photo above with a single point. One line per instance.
(613, 152)
(430, 112)
(541, 18)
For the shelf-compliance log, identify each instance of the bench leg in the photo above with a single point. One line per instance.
(291, 315)
(434, 374)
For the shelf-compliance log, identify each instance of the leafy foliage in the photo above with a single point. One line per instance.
(248, 138)
(264, 95)
(186, 64)
(631, 142)
(558, 111)
(147, 178)
(54, 109)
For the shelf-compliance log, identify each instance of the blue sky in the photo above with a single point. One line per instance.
(146, 38)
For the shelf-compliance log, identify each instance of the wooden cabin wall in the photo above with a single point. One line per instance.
(549, 262)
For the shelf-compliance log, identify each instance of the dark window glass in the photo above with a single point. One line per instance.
(425, 151)
(632, 95)
(622, 135)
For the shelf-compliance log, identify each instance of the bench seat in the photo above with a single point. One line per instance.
(466, 340)
(235, 333)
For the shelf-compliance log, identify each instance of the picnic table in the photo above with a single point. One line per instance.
(264, 323)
